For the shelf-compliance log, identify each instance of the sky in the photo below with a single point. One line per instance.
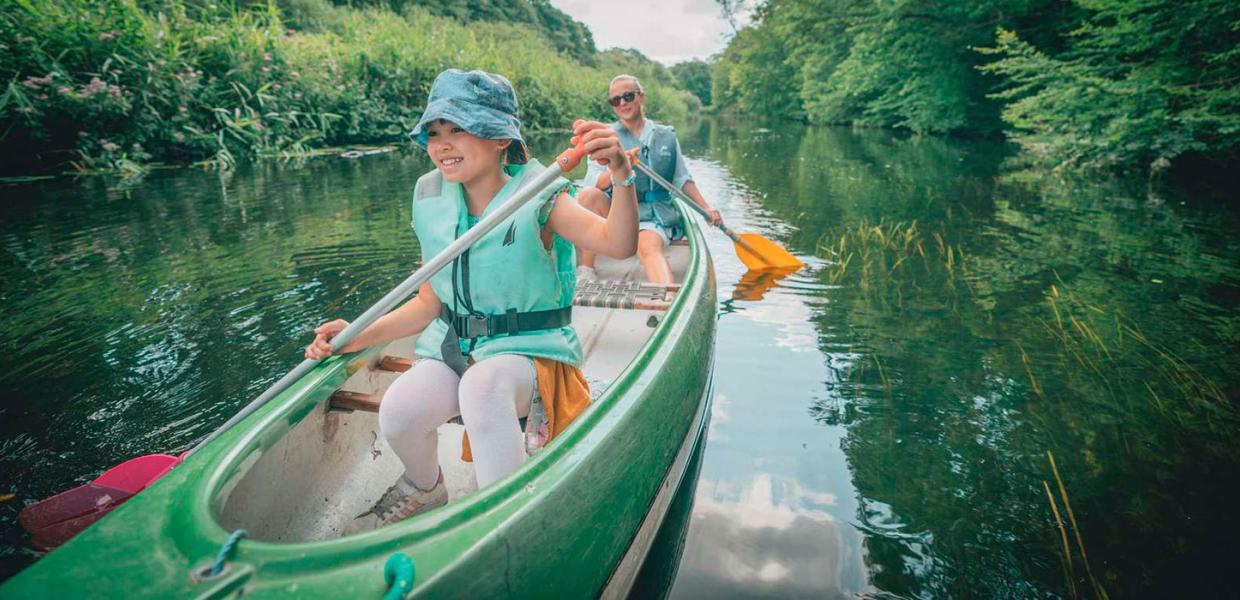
(669, 31)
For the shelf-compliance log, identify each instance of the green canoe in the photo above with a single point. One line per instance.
(575, 520)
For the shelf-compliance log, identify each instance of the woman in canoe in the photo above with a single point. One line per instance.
(495, 327)
(659, 223)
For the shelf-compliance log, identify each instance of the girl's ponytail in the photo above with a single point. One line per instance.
(517, 153)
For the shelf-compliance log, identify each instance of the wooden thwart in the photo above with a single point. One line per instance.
(396, 364)
(346, 400)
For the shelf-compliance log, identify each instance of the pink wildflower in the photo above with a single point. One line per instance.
(109, 146)
(35, 83)
(94, 87)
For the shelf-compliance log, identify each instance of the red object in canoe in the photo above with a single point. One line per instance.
(53, 521)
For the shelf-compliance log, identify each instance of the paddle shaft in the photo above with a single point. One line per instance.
(680, 195)
(407, 287)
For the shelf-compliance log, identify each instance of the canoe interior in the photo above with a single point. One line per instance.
(334, 463)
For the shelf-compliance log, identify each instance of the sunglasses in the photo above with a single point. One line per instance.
(625, 97)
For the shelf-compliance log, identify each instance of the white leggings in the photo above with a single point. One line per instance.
(490, 397)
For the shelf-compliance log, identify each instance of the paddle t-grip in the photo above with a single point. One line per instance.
(569, 159)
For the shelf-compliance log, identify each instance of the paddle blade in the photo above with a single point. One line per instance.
(137, 473)
(761, 254)
(51, 522)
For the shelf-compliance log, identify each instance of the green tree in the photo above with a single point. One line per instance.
(694, 77)
(1141, 82)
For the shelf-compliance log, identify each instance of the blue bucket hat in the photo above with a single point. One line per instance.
(479, 102)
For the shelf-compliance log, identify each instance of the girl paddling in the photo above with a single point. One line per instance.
(495, 332)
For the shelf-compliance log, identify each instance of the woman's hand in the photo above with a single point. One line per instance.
(715, 217)
(602, 144)
(321, 347)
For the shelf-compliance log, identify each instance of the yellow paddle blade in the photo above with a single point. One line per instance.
(761, 254)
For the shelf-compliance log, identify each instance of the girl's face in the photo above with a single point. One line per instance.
(462, 156)
(627, 111)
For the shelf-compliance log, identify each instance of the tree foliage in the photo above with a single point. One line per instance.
(1092, 83)
(694, 77)
(120, 82)
(565, 33)
(1141, 82)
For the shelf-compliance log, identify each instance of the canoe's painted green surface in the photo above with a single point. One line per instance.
(557, 527)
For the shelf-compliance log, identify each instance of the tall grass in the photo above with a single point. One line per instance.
(112, 83)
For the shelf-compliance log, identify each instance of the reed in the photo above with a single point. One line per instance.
(1098, 589)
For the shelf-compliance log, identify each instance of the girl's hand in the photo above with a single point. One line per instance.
(715, 217)
(602, 144)
(320, 348)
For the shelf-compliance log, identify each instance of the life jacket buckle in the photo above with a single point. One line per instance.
(477, 326)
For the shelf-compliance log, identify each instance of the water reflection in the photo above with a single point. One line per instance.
(965, 320)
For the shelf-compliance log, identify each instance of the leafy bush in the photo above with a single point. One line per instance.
(103, 82)
(1142, 82)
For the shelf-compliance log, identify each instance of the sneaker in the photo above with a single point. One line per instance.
(585, 273)
(398, 503)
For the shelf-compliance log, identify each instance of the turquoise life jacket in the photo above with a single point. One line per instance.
(654, 203)
(507, 294)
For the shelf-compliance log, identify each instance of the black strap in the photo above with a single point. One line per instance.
(470, 326)
(473, 326)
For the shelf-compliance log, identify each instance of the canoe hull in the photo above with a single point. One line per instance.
(559, 526)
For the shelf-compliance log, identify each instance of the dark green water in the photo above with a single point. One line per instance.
(882, 419)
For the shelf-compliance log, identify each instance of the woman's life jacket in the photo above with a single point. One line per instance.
(654, 203)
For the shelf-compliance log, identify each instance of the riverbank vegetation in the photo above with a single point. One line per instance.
(1082, 83)
(117, 84)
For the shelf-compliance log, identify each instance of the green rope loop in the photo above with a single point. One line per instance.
(398, 574)
(221, 557)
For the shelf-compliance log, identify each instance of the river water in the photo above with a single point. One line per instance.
(884, 421)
